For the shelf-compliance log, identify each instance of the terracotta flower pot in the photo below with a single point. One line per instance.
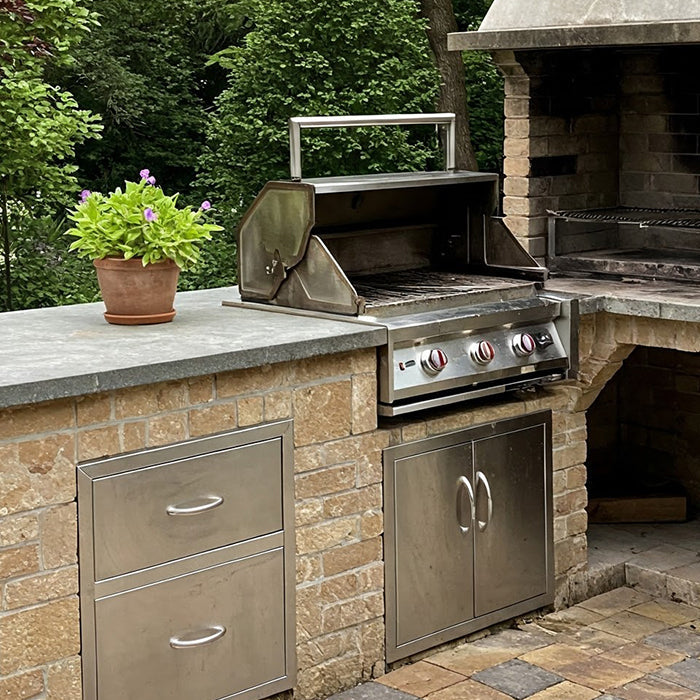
(135, 294)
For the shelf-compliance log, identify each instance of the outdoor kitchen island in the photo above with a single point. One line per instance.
(75, 389)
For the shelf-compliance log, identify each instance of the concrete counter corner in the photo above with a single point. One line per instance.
(71, 351)
(649, 299)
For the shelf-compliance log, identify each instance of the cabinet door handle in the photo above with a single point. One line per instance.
(481, 477)
(464, 485)
(195, 506)
(198, 638)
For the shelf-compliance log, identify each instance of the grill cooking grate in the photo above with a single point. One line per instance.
(418, 285)
(674, 218)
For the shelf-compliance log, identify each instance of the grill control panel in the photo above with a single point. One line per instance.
(474, 358)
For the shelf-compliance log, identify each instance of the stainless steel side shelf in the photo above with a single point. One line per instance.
(187, 569)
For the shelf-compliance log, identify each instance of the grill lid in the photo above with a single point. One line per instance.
(514, 24)
(306, 243)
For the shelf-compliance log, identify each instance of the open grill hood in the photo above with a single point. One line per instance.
(524, 24)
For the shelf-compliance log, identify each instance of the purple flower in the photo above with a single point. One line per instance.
(206, 204)
(149, 214)
(144, 174)
(84, 195)
(151, 180)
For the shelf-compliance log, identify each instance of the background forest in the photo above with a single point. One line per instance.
(199, 92)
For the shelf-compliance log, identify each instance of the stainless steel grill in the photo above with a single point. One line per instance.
(420, 254)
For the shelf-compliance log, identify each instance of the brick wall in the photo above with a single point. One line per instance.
(561, 145)
(660, 128)
(340, 628)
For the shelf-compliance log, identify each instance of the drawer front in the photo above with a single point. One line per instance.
(151, 642)
(156, 514)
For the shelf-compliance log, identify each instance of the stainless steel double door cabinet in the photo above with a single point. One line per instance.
(468, 531)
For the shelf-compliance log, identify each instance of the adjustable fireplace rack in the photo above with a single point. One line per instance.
(621, 242)
(674, 218)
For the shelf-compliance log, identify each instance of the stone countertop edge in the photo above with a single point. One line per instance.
(644, 299)
(70, 351)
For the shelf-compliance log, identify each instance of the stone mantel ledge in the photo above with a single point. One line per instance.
(642, 298)
(71, 351)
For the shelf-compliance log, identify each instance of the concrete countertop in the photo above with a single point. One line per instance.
(643, 298)
(72, 351)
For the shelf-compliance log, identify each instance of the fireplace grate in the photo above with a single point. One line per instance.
(674, 218)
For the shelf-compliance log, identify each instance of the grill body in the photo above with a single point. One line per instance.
(422, 255)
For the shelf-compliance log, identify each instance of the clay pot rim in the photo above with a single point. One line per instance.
(112, 261)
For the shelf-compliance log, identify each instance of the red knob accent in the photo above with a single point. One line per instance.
(434, 360)
(523, 344)
(482, 352)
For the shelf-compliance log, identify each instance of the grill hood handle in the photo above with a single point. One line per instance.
(296, 124)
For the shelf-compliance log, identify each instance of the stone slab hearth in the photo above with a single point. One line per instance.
(659, 558)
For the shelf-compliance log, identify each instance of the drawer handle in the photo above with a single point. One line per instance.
(195, 506)
(199, 638)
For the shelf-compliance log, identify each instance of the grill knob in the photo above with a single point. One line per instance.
(434, 360)
(482, 352)
(523, 344)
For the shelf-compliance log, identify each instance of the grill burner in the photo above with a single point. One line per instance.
(670, 218)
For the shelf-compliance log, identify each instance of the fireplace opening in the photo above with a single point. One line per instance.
(602, 159)
(644, 477)
(644, 440)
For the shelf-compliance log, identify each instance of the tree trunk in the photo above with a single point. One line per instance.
(453, 91)
(5, 227)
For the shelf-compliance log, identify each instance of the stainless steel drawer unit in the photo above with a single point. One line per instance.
(187, 569)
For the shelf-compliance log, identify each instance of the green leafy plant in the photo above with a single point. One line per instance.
(312, 57)
(40, 124)
(139, 222)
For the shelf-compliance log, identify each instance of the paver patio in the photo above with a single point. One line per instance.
(620, 645)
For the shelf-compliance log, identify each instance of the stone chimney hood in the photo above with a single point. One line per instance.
(538, 24)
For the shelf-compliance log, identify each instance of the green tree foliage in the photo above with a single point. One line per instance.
(316, 57)
(485, 90)
(144, 70)
(469, 13)
(39, 123)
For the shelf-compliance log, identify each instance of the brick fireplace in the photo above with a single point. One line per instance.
(600, 128)
(602, 185)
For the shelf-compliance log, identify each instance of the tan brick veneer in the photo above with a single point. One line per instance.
(339, 516)
(338, 484)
